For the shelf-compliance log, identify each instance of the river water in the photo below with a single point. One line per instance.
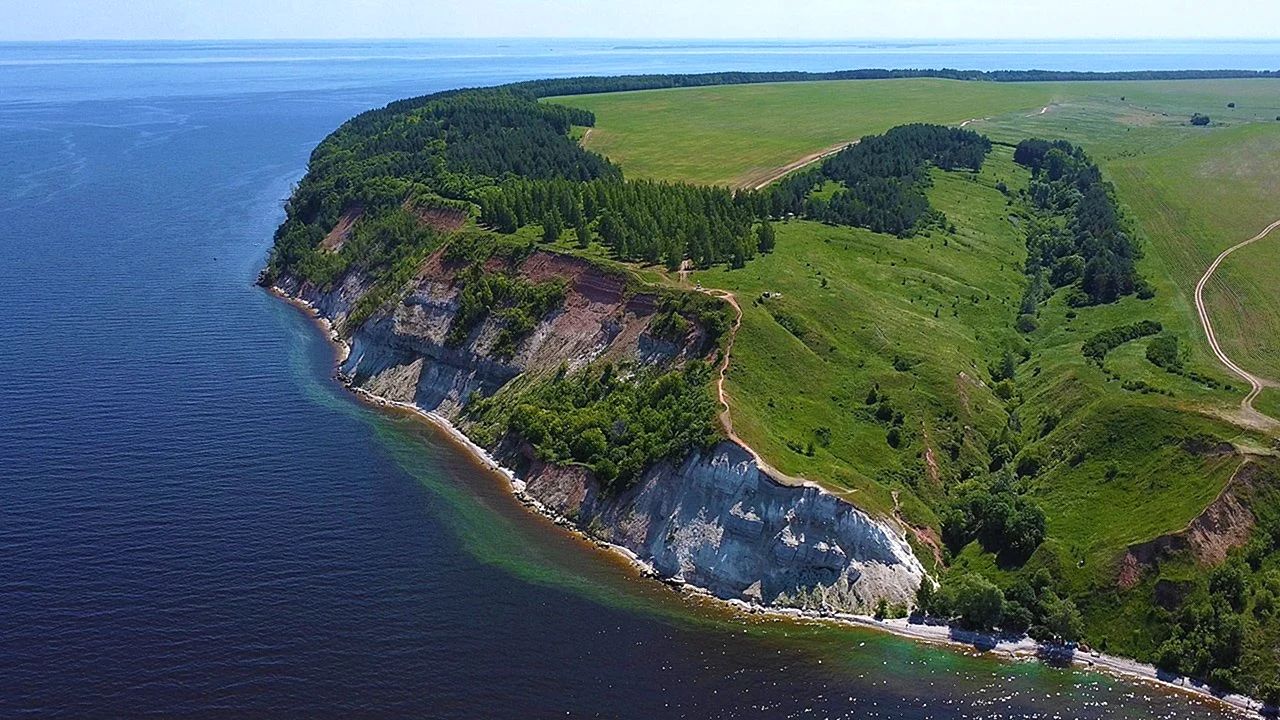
(195, 520)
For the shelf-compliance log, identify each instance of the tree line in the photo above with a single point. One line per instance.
(1093, 251)
(883, 178)
(642, 221)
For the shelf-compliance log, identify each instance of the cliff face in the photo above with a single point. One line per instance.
(715, 520)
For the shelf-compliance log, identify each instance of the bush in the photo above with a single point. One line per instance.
(1029, 464)
(1097, 347)
(1199, 120)
(977, 602)
(1163, 352)
(894, 438)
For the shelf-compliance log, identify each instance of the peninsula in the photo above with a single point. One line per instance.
(828, 343)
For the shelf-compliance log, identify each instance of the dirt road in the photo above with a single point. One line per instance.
(791, 167)
(1250, 415)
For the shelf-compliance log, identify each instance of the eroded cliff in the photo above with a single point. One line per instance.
(714, 519)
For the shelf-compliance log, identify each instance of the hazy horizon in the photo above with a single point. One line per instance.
(719, 20)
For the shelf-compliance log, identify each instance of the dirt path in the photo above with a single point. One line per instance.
(726, 418)
(1249, 414)
(791, 167)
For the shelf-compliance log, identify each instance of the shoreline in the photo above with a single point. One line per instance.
(1021, 649)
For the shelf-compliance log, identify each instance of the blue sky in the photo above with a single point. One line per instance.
(236, 19)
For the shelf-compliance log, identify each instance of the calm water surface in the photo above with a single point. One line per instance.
(195, 520)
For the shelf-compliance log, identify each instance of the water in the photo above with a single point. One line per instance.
(196, 520)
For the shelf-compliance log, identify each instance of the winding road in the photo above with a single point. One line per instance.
(1250, 415)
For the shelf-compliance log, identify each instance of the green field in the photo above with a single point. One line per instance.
(921, 319)
(1194, 191)
(836, 314)
(733, 135)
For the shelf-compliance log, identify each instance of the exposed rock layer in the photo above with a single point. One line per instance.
(715, 520)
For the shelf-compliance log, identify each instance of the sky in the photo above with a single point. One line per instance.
(712, 19)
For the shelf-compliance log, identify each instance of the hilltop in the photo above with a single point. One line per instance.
(980, 340)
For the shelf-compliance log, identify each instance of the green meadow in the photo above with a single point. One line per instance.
(1193, 191)
(838, 319)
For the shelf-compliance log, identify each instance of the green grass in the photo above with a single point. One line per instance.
(881, 294)
(879, 305)
(734, 134)
(1268, 402)
(1194, 191)
(922, 318)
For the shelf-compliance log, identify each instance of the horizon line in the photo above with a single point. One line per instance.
(587, 38)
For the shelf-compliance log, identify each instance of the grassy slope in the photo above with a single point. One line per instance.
(879, 304)
(1195, 191)
(729, 135)
(1192, 191)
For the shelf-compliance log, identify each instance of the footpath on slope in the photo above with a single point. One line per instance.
(1250, 415)
(1022, 647)
(726, 419)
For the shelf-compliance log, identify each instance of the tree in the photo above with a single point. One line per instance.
(584, 235)
(1229, 581)
(1007, 368)
(766, 237)
(552, 226)
(978, 602)
(1062, 619)
(1163, 352)
(926, 598)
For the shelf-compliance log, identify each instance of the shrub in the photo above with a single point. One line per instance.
(1163, 352)
(1029, 464)
(894, 438)
(1199, 120)
(1097, 347)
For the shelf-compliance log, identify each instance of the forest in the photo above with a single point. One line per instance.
(1091, 249)
(883, 179)
(639, 221)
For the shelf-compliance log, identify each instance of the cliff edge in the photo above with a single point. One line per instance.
(712, 518)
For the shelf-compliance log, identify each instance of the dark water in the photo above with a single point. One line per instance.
(196, 521)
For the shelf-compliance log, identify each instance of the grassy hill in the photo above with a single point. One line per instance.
(1195, 191)
(837, 319)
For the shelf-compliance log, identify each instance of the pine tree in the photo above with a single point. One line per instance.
(552, 226)
(766, 237)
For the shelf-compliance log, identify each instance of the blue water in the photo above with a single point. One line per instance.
(195, 520)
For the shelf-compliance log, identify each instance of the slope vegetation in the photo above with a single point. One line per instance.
(897, 371)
